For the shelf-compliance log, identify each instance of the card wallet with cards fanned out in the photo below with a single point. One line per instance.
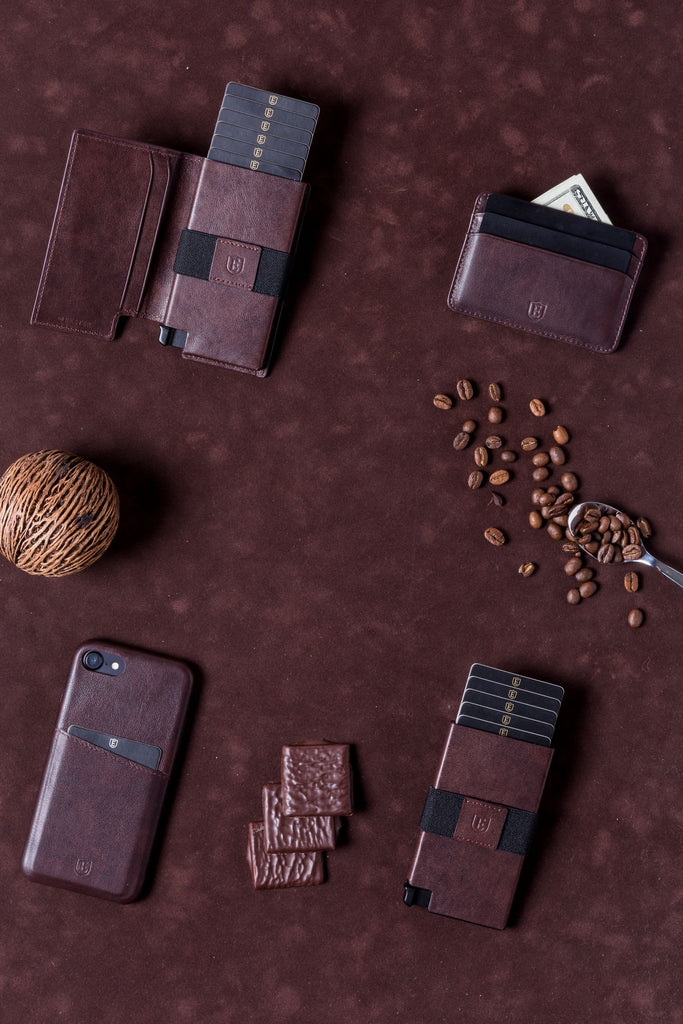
(200, 246)
(477, 825)
(96, 815)
(547, 272)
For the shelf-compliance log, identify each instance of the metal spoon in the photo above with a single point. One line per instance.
(577, 514)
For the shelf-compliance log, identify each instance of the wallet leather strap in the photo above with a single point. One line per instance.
(232, 262)
(476, 821)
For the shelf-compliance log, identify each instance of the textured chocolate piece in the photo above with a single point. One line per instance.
(280, 870)
(284, 834)
(316, 779)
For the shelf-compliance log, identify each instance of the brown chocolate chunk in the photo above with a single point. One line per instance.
(280, 870)
(316, 779)
(285, 834)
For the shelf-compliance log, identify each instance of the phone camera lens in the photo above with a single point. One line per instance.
(93, 660)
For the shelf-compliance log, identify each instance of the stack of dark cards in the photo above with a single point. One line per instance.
(510, 705)
(264, 131)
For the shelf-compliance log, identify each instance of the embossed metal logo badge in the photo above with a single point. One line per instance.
(235, 264)
(113, 742)
(537, 310)
(83, 867)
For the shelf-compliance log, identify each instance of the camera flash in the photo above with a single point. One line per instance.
(115, 665)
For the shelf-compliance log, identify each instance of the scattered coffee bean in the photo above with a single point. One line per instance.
(583, 575)
(554, 531)
(536, 495)
(572, 566)
(443, 401)
(498, 499)
(495, 393)
(562, 520)
(535, 520)
(494, 536)
(508, 456)
(592, 547)
(499, 477)
(573, 596)
(632, 551)
(527, 569)
(561, 434)
(537, 407)
(570, 547)
(469, 426)
(588, 589)
(495, 414)
(631, 581)
(546, 499)
(554, 490)
(557, 455)
(528, 444)
(540, 473)
(644, 527)
(635, 618)
(540, 459)
(494, 442)
(465, 390)
(461, 441)
(569, 482)
(624, 519)
(481, 456)
(475, 479)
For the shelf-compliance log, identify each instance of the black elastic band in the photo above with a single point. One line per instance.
(442, 810)
(195, 255)
(414, 896)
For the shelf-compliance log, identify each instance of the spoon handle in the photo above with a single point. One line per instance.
(668, 571)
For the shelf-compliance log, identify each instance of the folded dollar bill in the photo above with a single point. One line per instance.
(574, 196)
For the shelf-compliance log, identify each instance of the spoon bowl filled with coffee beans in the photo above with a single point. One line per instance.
(613, 537)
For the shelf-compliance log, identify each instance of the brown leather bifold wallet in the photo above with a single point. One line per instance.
(477, 825)
(547, 272)
(200, 246)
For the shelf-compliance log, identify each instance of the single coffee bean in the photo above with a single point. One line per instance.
(499, 477)
(592, 547)
(635, 618)
(592, 513)
(469, 426)
(475, 479)
(624, 519)
(572, 566)
(561, 434)
(603, 525)
(528, 444)
(540, 473)
(554, 531)
(557, 455)
(498, 500)
(632, 551)
(606, 537)
(614, 523)
(615, 537)
(494, 536)
(495, 393)
(606, 553)
(546, 499)
(554, 490)
(508, 456)
(570, 547)
(493, 442)
(573, 596)
(562, 520)
(537, 407)
(588, 589)
(583, 575)
(495, 414)
(443, 401)
(527, 569)
(536, 495)
(631, 581)
(585, 528)
(644, 527)
(464, 389)
(481, 456)
(566, 498)
(540, 459)
(633, 535)
(461, 441)
(535, 520)
(618, 556)
(569, 482)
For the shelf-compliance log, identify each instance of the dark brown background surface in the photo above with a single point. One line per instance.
(308, 540)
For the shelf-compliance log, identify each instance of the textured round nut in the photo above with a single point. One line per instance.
(572, 566)
(561, 434)
(495, 414)
(481, 456)
(535, 520)
(588, 589)
(540, 473)
(494, 536)
(631, 581)
(443, 401)
(499, 477)
(495, 394)
(527, 569)
(464, 389)
(461, 441)
(475, 479)
(537, 407)
(540, 459)
(508, 456)
(493, 442)
(635, 618)
(573, 596)
(469, 426)
(557, 455)
(528, 444)
(569, 481)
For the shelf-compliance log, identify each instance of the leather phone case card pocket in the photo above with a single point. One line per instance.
(547, 272)
(477, 825)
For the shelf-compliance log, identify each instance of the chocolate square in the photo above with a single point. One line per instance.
(280, 870)
(316, 779)
(283, 834)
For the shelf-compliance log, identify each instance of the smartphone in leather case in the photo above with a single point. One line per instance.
(99, 803)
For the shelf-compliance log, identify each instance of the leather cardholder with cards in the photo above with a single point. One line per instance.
(547, 272)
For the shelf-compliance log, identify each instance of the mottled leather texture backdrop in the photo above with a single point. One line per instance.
(307, 540)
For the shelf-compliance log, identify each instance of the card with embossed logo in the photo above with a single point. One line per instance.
(477, 825)
(547, 272)
(99, 802)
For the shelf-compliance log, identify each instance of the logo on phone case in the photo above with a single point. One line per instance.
(113, 742)
(235, 264)
(83, 867)
(480, 824)
(536, 310)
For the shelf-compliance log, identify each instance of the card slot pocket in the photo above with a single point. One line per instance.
(150, 224)
(95, 820)
(559, 220)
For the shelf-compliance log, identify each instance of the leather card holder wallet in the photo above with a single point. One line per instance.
(547, 272)
(200, 246)
(477, 825)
